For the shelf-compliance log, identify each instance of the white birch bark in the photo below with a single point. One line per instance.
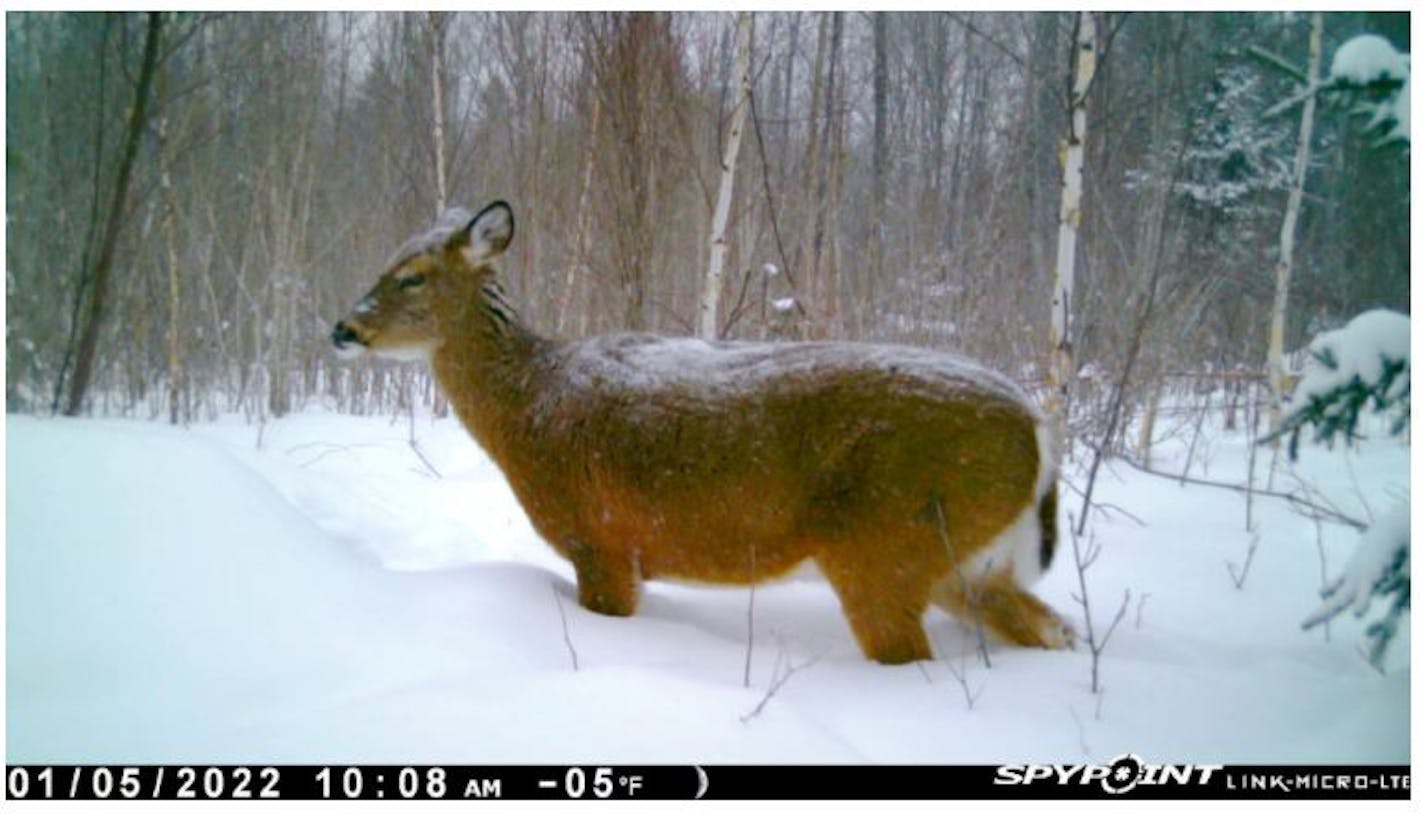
(712, 283)
(1061, 367)
(1275, 352)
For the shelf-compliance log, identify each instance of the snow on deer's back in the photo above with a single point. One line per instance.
(909, 477)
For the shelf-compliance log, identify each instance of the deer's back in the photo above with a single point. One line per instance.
(685, 450)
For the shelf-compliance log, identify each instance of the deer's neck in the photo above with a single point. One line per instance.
(490, 365)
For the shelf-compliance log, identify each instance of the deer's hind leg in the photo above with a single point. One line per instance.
(884, 601)
(1009, 612)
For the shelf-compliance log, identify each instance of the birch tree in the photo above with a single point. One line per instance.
(1060, 372)
(1275, 352)
(712, 283)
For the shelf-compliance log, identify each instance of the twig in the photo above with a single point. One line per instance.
(564, 622)
(971, 595)
(1239, 579)
(746, 666)
(1355, 487)
(331, 448)
(1083, 560)
(1117, 619)
(1318, 497)
(1278, 61)
(414, 446)
(779, 678)
(1082, 733)
(1196, 435)
(1141, 602)
(961, 674)
(978, 32)
(1293, 100)
(1134, 348)
(1324, 568)
(771, 206)
(739, 307)
(1293, 499)
(1253, 416)
(1105, 508)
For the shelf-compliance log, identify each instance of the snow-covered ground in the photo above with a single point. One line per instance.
(331, 596)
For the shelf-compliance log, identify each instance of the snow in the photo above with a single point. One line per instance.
(1360, 350)
(1381, 545)
(1370, 58)
(784, 304)
(453, 220)
(1366, 58)
(1400, 105)
(187, 596)
(691, 366)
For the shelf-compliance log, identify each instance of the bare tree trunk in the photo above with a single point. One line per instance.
(825, 192)
(836, 171)
(103, 266)
(1060, 372)
(879, 21)
(712, 283)
(811, 196)
(437, 22)
(170, 230)
(1275, 353)
(583, 233)
(1152, 395)
(437, 94)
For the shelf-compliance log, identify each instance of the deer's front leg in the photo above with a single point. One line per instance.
(607, 580)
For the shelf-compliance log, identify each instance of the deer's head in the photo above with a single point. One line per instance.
(398, 318)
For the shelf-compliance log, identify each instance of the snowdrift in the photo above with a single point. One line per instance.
(333, 597)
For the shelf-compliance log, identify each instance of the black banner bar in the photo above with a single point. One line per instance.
(1125, 777)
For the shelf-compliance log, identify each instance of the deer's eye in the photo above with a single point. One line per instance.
(411, 281)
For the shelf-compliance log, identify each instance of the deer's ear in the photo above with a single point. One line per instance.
(488, 234)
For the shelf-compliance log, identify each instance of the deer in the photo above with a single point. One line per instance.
(906, 477)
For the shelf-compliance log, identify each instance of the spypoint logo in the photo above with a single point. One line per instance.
(1122, 775)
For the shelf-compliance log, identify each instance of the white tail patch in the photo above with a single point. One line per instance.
(1047, 457)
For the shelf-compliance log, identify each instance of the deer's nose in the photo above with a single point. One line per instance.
(342, 335)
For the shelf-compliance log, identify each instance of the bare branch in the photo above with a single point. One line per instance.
(1117, 619)
(991, 40)
(1082, 733)
(961, 675)
(1277, 61)
(971, 594)
(1082, 559)
(415, 446)
(751, 611)
(1291, 498)
(780, 676)
(1239, 578)
(564, 622)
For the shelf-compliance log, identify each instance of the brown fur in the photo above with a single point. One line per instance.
(877, 474)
